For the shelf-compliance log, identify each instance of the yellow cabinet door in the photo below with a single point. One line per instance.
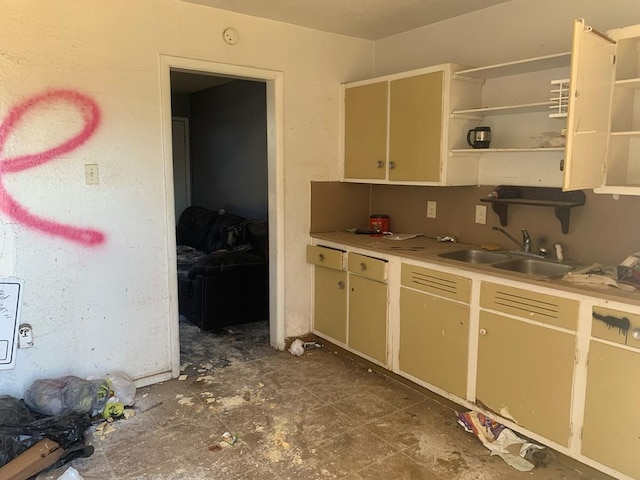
(590, 89)
(330, 304)
(434, 339)
(365, 131)
(368, 317)
(415, 128)
(612, 418)
(525, 374)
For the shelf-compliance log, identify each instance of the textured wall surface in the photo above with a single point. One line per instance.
(95, 258)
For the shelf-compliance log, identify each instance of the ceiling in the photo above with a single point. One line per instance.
(367, 19)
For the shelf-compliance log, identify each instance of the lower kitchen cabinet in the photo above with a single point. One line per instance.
(330, 305)
(368, 317)
(611, 428)
(330, 292)
(525, 374)
(434, 340)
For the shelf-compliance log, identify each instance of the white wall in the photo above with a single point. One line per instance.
(509, 31)
(105, 307)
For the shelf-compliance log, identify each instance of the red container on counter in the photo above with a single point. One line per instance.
(379, 223)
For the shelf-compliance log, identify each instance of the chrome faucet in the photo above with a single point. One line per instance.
(525, 245)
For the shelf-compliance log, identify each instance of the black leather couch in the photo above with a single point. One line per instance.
(223, 274)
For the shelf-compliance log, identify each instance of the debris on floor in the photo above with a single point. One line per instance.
(229, 438)
(31, 442)
(70, 474)
(297, 347)
(515, 451)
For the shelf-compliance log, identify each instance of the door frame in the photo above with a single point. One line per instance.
(187, 155)
(274, 81)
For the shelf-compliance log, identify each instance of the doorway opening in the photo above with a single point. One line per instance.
(247, 190)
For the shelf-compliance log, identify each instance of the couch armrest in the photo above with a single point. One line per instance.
(225, 261)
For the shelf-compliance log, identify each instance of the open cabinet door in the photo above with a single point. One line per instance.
(588, 122)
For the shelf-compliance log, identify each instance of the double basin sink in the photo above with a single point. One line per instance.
(503, 261)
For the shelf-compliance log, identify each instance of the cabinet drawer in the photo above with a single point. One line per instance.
(558, 311)
(616, 326)
(326, 257)
(369, 267)
(438, 283)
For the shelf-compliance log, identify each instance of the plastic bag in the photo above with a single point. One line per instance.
(297, 347)
(19, 430)
(13, 412)
(70, 474)
(66, 394)
(123, 387)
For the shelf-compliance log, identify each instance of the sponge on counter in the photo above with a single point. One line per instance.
(491, 246)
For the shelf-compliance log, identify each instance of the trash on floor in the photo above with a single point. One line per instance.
(103, 429)
(30, 444)
(70, 394)
(515, 451)
(70, 474)
(297, 347)
(113, 410)
(230, 438)
(183, 377)
(312, 345)
(54, 396)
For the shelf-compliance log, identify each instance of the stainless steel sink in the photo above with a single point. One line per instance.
(475, 256)
(532, 266)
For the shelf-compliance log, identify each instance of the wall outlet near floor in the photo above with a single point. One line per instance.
(481, 214)
(431, 209)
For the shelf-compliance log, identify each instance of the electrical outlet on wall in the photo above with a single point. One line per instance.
(25, 336)
(481, 214)
(431, 209)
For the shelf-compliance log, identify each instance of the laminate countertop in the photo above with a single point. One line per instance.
(426, 249)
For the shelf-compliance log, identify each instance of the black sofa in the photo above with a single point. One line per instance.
(223, 274)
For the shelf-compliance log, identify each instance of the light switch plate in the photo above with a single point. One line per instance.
(431, 209)
(91, 174)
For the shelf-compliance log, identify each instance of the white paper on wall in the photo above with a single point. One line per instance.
(10, 293)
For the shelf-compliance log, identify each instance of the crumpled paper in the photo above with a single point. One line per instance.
(500, 440)
(297, 347)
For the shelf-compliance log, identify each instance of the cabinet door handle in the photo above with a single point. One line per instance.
(379, 164)
(483, 331)
(363, 266)
(321, 257)
(341, 285)
(392, 165)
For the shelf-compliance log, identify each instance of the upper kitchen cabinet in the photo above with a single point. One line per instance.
(603, 143)
(524, 103)
(397, 129)
(365, 131)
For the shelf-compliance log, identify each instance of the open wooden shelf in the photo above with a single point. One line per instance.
(528, 65)
(561, 202)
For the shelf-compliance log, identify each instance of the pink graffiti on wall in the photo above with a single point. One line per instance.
(11, 207)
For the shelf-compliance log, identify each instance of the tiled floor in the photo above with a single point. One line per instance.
(322, 415)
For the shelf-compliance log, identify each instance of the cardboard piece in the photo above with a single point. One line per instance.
(31, 462)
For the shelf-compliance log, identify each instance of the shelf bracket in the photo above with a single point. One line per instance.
(502, 210)
(563, 214)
